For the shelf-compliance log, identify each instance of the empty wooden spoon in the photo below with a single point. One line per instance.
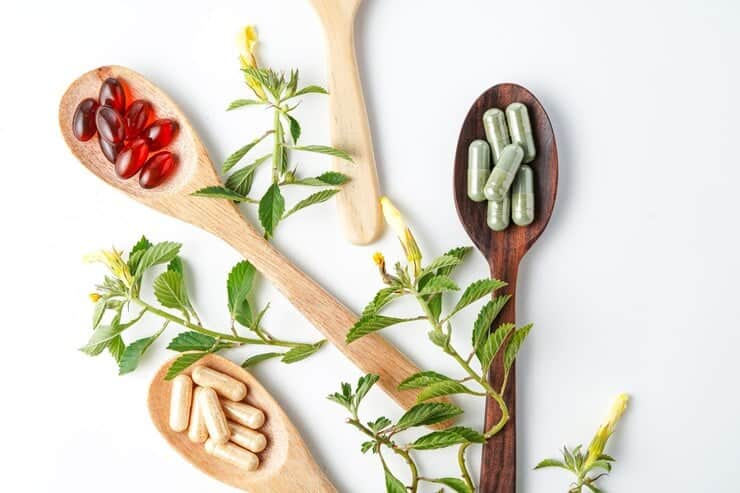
(372, 353)
(504, 250)
(359, 200)
(286, 465)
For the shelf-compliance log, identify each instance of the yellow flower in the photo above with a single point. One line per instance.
(115, 263)
(596, 448)
(379, 260)
(94, 297)
(396, 221)
(247, 42)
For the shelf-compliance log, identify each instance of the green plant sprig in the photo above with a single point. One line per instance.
(120, 290)
(276, 91)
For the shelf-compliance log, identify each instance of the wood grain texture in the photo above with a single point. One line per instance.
(359, 200)
(286, 465)
(504, 250)
(372, 354)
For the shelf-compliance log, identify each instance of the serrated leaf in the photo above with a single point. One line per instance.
(457, 484)
(238, 286)
(100, 338)
(493, 344)
(176, 265)
(116, 347)
(379, 424)
(439, 284)
(364, 384)
(191, 341)
(310, 90)
(240, 182)
(133, 353)
(312, 199)
(98, 311)
(476, 291)
(439, 389)
(329, 178)
(512, 349)
(460, 253)
(486, 317)
(169, 289)
(373, 323)
(324, 150)
(381, 299)
(218, 192)
(137, 251)
(240, 103)
(161, 253)
(182, 363)
(444, 261)
(295, 128)
(445, 438)
(271, 209)
(392, 484)
(428, 413)
(551, 463)
(259, 358)
(423, 379)
(237, 155)
(301, 352)
(366, 446)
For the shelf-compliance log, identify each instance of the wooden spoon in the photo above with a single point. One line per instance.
(372, 353)
(359, 200)
(286, 464)
(504, 250)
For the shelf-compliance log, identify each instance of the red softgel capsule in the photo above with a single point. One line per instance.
(136, 118)
(110, 124)
(131, 158)
(83, 121)
(110, 151)
(157, 169)
(112, 94)
(160, 133)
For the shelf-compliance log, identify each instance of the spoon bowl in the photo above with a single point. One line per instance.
(504, 250)
(286, 465)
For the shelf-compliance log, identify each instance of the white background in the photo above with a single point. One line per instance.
(633, 287)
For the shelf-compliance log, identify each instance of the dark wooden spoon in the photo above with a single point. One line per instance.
(504, 250)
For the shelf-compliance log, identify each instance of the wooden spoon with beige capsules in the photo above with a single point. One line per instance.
(286, 464)
(372, 353)
(504, 250)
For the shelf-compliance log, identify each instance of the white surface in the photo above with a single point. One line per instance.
(633, 287)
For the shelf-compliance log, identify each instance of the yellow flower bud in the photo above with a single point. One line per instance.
(397, 223)
(115, 263)
(247, 43)
(379, 260)
(596, 448)
(94, 297)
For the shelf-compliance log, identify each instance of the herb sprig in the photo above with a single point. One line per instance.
(119, 306)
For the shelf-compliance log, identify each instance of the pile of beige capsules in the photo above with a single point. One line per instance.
(509, 186)
(209, 406)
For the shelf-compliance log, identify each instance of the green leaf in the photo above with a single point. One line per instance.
(324, 150)
(600, 464)
(259, 358)
(271, 208)
(379, 424)
(392, 484)
(310, 90)
(312, 199)
(493, 344)
(551, 463)
(381, 299)
(512, 349)
(191, 341)
(301, 352)
(176, 265)
(141, 245)
(428, 413)
(241, 180)
(373, 323)
(423, 379)
(218, 192)
(439, 284)
(457, 484)
(238, 286)
(445, 438)
(182, 363)
(367, 446)
(98, 312)
(295, 128)
(442, 388)
(364, 384)
(133, 353)
(161, 253)
(240, 103)
(440, 262)
(169, 289)
(237, 156)
(100, 338)
(329, 178)
(486, 316)
(605, 457)
(116, 347)
(459, 253)
(476, 291)
(438, 337)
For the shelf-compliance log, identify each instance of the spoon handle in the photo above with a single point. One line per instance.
(498, 465)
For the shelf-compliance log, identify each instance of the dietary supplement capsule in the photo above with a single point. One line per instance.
(131, 158)
(213, 415)
(197, 431)
(160, 133)
(479, 167)
(224, 385)
(109, 124)
(521, 130)
(499, 212)
(83, 121)
(112, 94)
(247, 438)
(498, 184)
(522, 197)
(233, 454)
(244, 414)
(497, 134)
(136, 117)
(110, 151)
(158, 169)
(181, 398)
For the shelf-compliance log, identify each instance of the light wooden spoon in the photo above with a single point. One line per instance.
(286, 464)
(372, 353)
(359, 200)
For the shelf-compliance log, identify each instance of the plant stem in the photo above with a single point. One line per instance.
(464, 467)
(277, 153)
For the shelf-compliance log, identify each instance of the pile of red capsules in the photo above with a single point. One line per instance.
(127, 134)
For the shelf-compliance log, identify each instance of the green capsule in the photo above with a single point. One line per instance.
(521, 130)
(479, 167)
(499, 212)
(497, 134)
(522, 196)
(498, 184)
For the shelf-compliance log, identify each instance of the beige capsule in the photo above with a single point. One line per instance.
(224, 385)
(233, 454)
(244, 414)
(213, 415)
(247, 438)
(181, 398)
(197, 431)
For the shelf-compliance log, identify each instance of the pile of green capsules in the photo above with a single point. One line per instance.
(509, 186)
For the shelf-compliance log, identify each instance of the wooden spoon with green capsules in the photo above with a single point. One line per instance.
(504, 250)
